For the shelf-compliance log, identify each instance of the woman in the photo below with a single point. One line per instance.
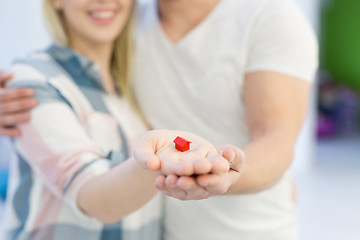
(232, 71)
(71, 176)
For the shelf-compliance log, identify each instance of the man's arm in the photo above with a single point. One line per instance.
(15, 105)
(276, 106)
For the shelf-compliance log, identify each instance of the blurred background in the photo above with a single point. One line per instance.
(327, 168)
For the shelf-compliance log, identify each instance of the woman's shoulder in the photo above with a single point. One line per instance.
(38, 70)
(35, 66)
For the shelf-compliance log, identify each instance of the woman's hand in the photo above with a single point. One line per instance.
(156, 151)
(201, 172)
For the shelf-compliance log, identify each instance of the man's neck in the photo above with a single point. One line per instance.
(179, 17)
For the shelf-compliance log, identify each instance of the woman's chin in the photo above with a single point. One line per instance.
(104, 40)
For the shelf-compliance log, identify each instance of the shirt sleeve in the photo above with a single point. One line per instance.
(282, 40)
(56, 146)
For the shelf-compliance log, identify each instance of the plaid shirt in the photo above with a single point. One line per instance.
(77, 131)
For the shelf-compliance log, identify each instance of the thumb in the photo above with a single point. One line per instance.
(235, 156)
(144, 153)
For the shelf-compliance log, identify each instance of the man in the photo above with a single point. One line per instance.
(233, 72)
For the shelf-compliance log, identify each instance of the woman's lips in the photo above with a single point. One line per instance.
(102, 16)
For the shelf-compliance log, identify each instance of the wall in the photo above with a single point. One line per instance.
(22, 30)
(306, 143)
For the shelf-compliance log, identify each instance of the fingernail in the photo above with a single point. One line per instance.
(233, 154)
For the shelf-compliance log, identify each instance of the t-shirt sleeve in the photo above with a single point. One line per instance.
(283, 41)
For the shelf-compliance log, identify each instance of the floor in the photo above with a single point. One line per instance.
(329, 192)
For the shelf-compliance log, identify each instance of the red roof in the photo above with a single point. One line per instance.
(181, 141)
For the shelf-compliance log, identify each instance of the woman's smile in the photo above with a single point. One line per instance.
(103, 16)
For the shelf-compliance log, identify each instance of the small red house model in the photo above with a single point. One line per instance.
(182, 144)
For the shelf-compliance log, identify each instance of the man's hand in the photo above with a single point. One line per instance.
(206, 185)
(14, 107)
(156, 151)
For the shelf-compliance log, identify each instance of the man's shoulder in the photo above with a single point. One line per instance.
(259, 6)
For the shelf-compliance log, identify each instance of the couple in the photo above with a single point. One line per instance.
(236, 73)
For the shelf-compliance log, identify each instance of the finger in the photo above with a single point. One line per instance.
(193, 190)
(202, 166)
(19, 105)
(229, 154)
(160, 185)
(175, 191)
(180, 196)
(187, 163)
(211, 182)
(171, 180)
(10, 132)
(233, 176)
(4, 77)
(160, 181)
(18, 93)
(235, 156)
(171, 165)
(220, 148)
(219, 164)
(144, 153)
(14, 119)
(218, 184)
(186, 182)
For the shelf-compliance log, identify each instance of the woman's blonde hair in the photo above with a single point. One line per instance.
(122, 58)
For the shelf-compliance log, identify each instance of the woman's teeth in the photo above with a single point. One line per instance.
(103, 14)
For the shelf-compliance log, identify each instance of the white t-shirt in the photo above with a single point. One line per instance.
(196, 85)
